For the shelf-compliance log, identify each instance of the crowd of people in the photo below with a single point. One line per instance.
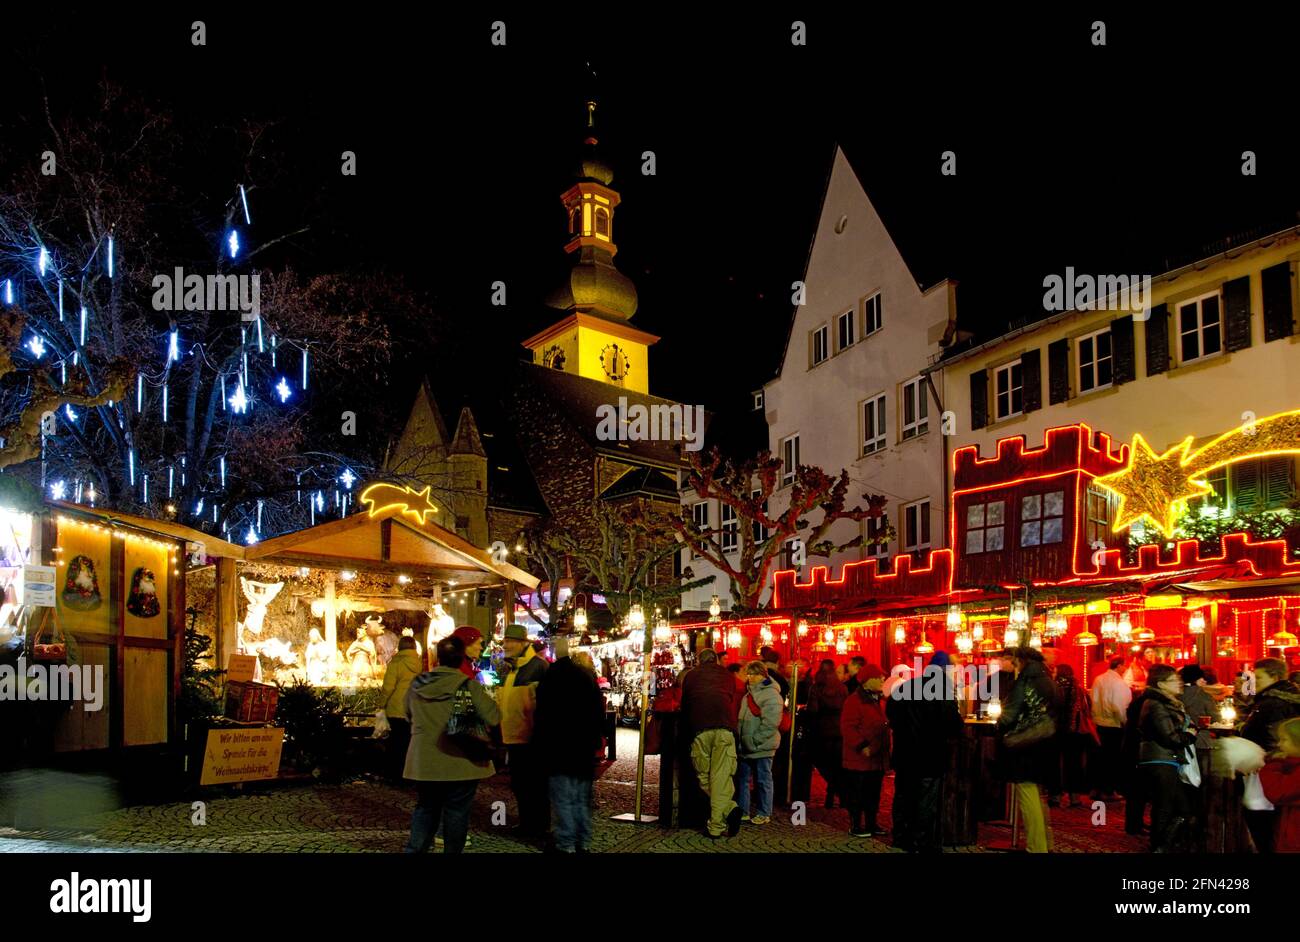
(1058, 743)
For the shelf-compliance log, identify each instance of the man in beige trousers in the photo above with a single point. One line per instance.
(709, 705)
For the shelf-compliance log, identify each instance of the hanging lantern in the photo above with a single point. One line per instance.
(924, 647)
(1085, 639)
(785, 637)
(1144, 636)
(636, 617)
(1109, 628)
(977, 631)
(733, 639)
(684, 640)
(1283, 639)
(663, 630)
(842, 646)
(1124, 626)
(1196, 623)
(1056, 625)
(1011, 638)
(1036, 640)
(1019, 614)
(954, 617)
(715, 608)
(964, 643)
(900, 634)
(803, 627)
(766, 634)
(829, 636)
(580, 620)
(989, 645)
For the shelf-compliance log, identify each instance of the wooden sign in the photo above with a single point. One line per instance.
(242, 668)
(241, 755)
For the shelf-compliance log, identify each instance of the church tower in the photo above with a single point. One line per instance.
(593, 337)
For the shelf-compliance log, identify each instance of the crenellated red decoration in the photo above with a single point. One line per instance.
(1240, 558)
(864, 581)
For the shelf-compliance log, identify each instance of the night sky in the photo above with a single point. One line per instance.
(1118, 159)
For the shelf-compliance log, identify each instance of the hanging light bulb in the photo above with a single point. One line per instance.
(1124, 627)
(1085, 639)
(924, 647)
(1011, 638)
(1036, 640)
(663, 631)
(733, 638)
(766, 634)
(964, 643)
(1144, 636)
(580, 616)
(1196, 623)
(802, 628)
(636, 617)
(1109, 627)
(900, 634)
(954, 617)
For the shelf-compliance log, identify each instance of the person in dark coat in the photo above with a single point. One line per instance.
(1076, 736)
(924, 720)
(1165, 733)
(568, 727)
(709, 711)
(1276, 699)
(1032, 695)
(856, 664)
(865, 734)
(825, 702)
(1135, 796)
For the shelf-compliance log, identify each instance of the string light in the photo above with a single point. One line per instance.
(110, 256)
(116, 531)
(173, 346)
(243, 198)
(42, 261)
(347, 477)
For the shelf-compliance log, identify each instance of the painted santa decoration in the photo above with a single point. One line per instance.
(143, 600)
(81, 589)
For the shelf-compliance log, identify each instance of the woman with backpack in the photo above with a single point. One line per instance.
(1075, 738)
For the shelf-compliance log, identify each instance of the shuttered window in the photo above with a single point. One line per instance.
(1263, 484)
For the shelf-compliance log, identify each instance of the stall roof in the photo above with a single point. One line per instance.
(391, 540)
(213, 546)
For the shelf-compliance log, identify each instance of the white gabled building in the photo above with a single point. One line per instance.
(849, 392)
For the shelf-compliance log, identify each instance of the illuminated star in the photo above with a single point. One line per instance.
(239, 402)
(283, 389)
(1154, 487)
(348, 478)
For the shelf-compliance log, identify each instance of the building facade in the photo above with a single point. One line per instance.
(850, 393)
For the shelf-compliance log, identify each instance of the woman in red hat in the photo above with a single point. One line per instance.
(472, 638)
(866, 751)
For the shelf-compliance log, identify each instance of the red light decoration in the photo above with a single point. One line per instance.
(863, 580)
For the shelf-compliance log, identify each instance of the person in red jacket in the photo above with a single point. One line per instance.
(1281, 780)
(865, 732)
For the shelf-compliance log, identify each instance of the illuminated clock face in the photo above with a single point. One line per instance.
(614, 360)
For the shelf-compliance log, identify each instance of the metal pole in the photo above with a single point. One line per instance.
(647, 655)
(794, 715)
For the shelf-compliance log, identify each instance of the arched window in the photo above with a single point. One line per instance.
(574, 223)
(602, 222)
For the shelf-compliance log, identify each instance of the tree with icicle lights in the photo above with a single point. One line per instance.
(194, 411)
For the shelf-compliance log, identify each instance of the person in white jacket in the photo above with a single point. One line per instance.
(1111, 697)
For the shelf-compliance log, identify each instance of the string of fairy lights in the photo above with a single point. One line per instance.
(240, 392)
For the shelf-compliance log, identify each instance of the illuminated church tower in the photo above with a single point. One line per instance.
(593, 338)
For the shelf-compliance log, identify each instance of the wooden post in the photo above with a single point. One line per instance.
(331, 616)
(227, 612)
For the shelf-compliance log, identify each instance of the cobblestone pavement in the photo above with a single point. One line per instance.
(370, 816)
